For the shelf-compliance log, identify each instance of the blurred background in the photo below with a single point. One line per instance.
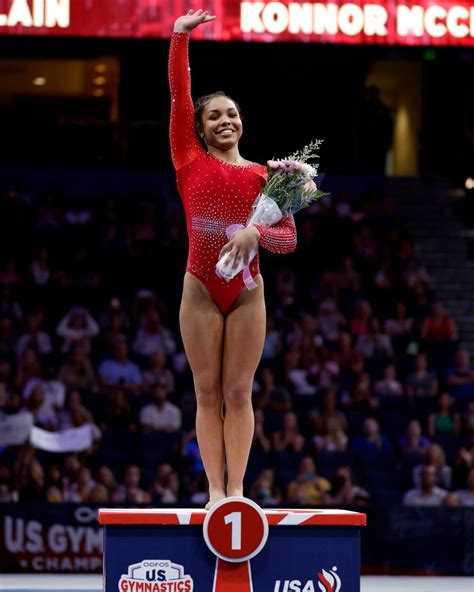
(365, 394)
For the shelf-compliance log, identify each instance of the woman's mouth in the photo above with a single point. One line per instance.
(225, 132)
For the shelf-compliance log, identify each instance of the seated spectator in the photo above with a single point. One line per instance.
(344, 492)
(105, 477)
(118, 414)
(347, 273)
(77, 327)
(272, 345)
(32, 489)
(28, 367)
(264, 490)
(436, 457)
(289, 438)
(328, 410)
(325, 368)
(76, 415)
(158, 371)
(330, 321)
(299, 376)
(374, 344)
(427, 493)
(71, 468)
(129, 492)
(116, 331)
(99, 494)
(466, 495)
(332, 438)
(260, 441)
(9, 306)
(416, 277)
(44, 416)
(445, 420)
(463, 372)
(34, 338)
(77, 371)
(361, 398)
(438, 326)
(80, 489)
(308, 488)
(40, 269)
(160, 415)
(413, 441)
(54, 484)
(370, 439)
(272, 397)
(73, 403)
(365, 246)
(399, 328)
(152, 335)
(421, 382)
(360, 322)
(165, 487)
(389, 385)
(53, 393)
(113, 311)
(120, 370)
(349, 359)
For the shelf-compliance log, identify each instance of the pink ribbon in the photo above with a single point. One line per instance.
(246, 275)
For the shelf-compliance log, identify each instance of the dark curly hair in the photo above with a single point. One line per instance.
(199, 108)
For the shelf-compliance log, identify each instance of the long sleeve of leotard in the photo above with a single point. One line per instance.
(185, 145)
(280, 238)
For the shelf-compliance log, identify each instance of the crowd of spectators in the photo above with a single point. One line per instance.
(364, 393)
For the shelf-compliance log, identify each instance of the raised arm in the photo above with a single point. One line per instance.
(185, 145)
(280, 238)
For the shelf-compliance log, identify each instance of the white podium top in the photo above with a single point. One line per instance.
(195, 517)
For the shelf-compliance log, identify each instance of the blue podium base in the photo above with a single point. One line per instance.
(164, 551)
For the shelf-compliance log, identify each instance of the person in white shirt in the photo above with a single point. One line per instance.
(428, 494)
(160, 415)
(54, 395)
(77, 326)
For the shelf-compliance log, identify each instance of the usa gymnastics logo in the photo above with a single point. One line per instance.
(155, 575)
(327, 581)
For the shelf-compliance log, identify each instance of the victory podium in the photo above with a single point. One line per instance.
(236, 547)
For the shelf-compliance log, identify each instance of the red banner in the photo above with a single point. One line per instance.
(390, 22)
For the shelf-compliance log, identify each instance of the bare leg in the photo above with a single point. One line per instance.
(202, 327)
(244, 335)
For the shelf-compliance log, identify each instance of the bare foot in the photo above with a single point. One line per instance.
(214, 497)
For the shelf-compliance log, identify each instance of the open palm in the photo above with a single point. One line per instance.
(188, 22)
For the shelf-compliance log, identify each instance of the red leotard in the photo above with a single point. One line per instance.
(215, 194)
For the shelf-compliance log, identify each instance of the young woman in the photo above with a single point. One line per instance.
(222, 323)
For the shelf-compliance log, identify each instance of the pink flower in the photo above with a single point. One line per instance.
(274, 164)
(309, 187)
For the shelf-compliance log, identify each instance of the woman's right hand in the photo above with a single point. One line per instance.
(188, 22)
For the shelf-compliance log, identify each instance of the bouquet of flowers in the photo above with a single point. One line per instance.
(289, 188)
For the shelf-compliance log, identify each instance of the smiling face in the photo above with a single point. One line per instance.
(221, 126)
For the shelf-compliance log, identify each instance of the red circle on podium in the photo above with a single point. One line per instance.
(235, 529)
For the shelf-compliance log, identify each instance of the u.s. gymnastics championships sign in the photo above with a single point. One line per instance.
(389, 22)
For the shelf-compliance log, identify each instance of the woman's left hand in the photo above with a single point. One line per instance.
(240, 246)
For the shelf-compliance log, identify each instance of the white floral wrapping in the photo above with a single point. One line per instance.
(266, 213)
